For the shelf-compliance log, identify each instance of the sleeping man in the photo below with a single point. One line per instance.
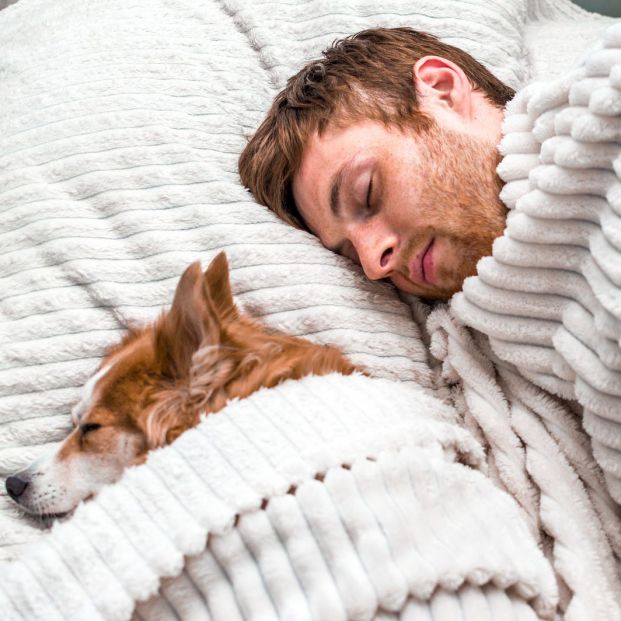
(385, 149)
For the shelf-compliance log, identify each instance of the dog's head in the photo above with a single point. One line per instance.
(157, 381)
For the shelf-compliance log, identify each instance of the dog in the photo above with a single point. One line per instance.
(158, 381)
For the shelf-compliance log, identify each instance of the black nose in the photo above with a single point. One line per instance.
(15, 487)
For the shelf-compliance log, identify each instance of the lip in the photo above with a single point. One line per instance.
(422, 269)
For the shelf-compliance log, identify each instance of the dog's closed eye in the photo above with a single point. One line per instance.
(88, 427)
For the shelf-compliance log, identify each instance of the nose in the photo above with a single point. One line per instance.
(377, 252)
(15, 487)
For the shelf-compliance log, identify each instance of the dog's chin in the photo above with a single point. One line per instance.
(50, 518)
(47, 518)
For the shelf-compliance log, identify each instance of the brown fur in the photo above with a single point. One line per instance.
(192, 360)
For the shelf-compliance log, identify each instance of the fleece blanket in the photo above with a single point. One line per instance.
(119, 135)
(343, 505)
(536, 335)
(335, 498)
(550, 296)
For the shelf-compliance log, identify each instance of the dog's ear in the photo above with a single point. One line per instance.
(217, 287)
(165, 424)
(192, 320)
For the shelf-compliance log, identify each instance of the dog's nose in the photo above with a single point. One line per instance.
(15, 487)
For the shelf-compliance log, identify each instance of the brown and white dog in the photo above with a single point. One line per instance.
(157, 382)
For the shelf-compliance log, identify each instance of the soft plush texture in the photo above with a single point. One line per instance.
(550, 296)
(377, 528)
(119, 134)
(538, 451)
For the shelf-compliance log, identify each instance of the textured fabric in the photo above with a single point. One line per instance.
(537, 450)
(555, 41)
(119, 134)
(491, 32)
(550, 297)
(380, 473)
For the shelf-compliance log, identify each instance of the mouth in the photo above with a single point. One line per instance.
(44, 520)
(422, 269)
(51, 517)
(45, 517)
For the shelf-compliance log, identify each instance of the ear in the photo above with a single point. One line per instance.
(168, 421)
(442, 86)
(192, 319)
(217, 287)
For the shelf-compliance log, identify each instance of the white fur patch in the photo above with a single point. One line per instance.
(57, 486)
(87, 395)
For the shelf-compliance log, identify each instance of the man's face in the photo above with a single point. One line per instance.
(420, 210)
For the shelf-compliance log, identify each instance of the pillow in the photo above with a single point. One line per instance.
(557, 35)
(120, 128)
(286, 35)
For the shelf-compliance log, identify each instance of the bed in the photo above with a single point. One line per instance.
(119, 134)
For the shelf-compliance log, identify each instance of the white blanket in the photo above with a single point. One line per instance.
(119, 133)
(120, 127)
(383, 515)
(550, 296)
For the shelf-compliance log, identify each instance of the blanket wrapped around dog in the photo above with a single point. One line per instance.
(458, 492)
(328, 498)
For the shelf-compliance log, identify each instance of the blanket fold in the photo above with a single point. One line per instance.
(539, 453)
(550, 296)
(327, 498)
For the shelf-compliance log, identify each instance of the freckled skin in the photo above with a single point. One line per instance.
(160, 379)
(402, 190)
(419, 201)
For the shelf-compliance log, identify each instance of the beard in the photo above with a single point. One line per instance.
(460, 204)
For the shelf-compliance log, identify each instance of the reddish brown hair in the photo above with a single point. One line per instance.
(365, 76)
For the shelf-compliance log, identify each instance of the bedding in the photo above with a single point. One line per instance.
(549, 298)
(378, 468)
(119, 134)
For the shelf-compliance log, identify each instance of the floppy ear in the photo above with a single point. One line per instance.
(168, 421)
(192, 319)
(217, 287)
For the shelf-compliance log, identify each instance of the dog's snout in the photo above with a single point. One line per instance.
(15, 487)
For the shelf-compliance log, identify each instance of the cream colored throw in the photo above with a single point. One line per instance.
(450, 486)
(550, 297)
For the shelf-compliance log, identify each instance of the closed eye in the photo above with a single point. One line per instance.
(88, 427)
(370, 189)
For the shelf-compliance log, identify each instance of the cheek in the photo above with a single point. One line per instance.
(132, 449)
(408, 209)
(115, 450)
(105, 462)
(102, 455)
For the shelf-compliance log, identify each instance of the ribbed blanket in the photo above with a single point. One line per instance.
(458, 492)
(550, 296)
(119, 136)
(387, 508)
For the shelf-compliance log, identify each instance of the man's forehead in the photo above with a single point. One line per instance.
(325, 152)
(306, 182)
